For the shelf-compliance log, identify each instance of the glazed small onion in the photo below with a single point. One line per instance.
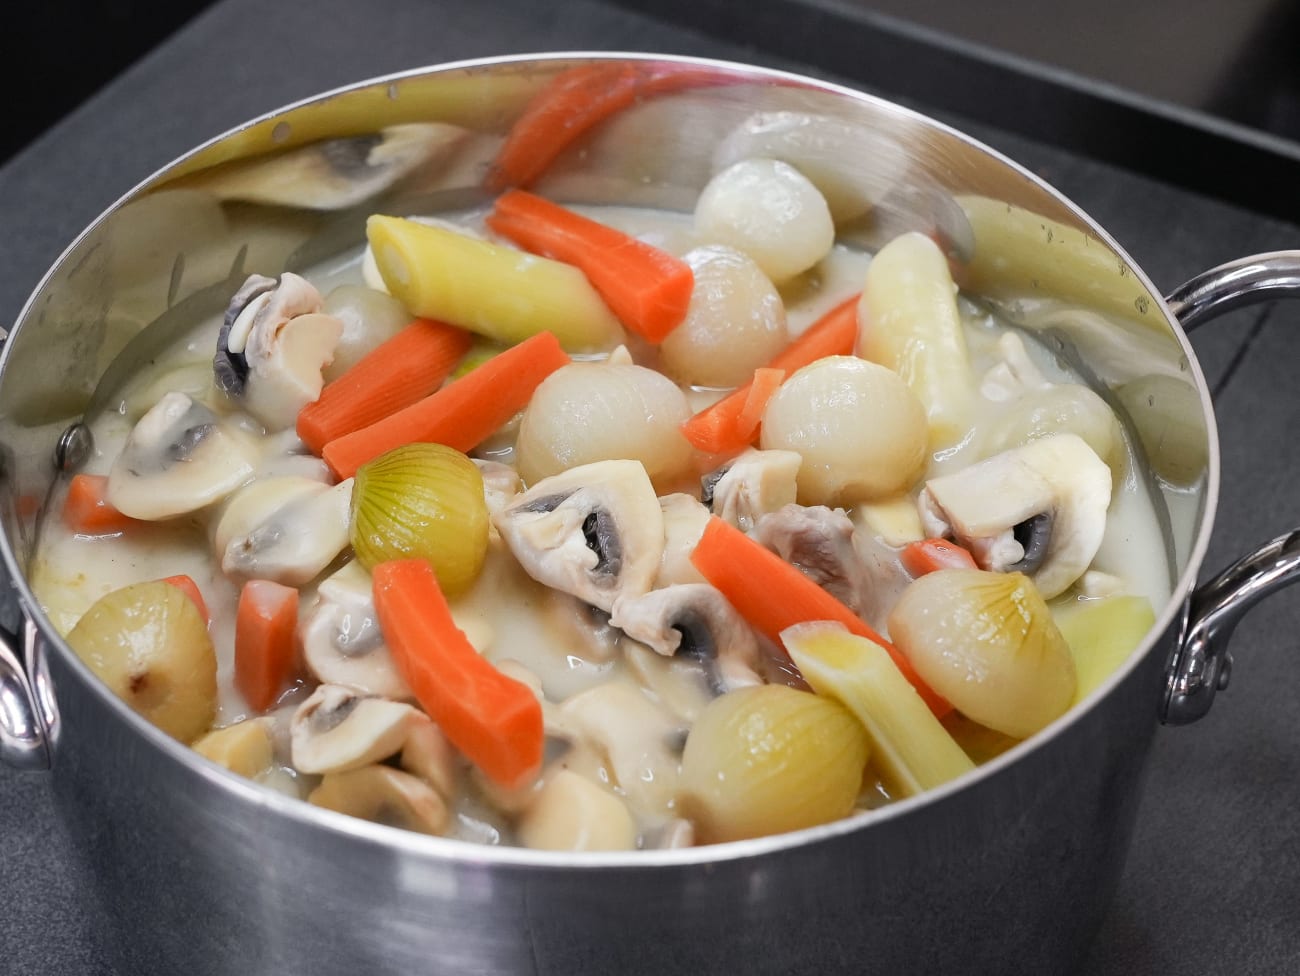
(422, 501)
(986, 642)
(770, 211)
(767, 759)
(588, 412)
(735, 322)
(859, 428)
(150, 645)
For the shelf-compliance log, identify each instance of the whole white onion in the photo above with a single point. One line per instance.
(735, 322)
(859, 428)
(588, 412)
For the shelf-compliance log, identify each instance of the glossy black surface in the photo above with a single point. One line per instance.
(1230, 129)
(1213, 878)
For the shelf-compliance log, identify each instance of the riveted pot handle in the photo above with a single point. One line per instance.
(1200, 663)
(24, 725)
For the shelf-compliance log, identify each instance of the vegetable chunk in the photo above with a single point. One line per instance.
(496, 291)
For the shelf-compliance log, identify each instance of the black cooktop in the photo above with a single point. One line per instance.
(1204, 94)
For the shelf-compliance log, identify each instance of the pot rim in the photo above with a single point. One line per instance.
(452, 850)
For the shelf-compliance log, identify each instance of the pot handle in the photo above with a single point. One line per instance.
(1200, 663)
(25, 728)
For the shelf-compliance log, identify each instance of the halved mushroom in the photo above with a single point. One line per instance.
(334, 174)
(384, 795)
(694, 619)
(681, 684)
(178, 459)
(338, 728)
(820, 542)
(676, 833)
(245, 748)
(500, 484)
(684, 520)
(273, 344)
(754, 484)
(285, 454)
(634, 737)
(571, 813)
(284, 529)
(1039, 509)
(341, 640)
(429, 754)
(595, 531)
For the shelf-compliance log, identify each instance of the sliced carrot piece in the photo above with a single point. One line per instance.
(717, 430)
(266, 624)
(762, 387)
(461, 414)
(191, 589)
(771, 594)
(929, 555)
(493, 719)
(647, 288)
(398, 372)
(86, 509)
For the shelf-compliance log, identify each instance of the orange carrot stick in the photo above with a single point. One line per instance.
(403, 369)
(647, 288)
(461, 414)
(771, 594)
(576, 101)
(191, 589)
(716, 429)
(86, 509)
(929, 555)
(493, 719)
(762, 387)
(265, 644)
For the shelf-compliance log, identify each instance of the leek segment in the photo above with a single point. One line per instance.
(1102, 634)
(910, 323)
(497, 292)
(911, 748)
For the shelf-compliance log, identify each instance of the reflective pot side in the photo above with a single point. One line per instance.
(1010, 874)
(203, 873)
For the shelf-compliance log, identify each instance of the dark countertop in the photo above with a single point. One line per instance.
(1212, 883)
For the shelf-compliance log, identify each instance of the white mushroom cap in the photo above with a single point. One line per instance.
(281, 341)
(1055, 490)
(685, 518)
(338, 729)
(285, 529)
(285, 366)
(634, 736)
(341, 640)
(754, 484)
(384, 795)
(595, 531)
(571, 813)
(695, 619)
(500, 484)
(429, 754)
(178, 459)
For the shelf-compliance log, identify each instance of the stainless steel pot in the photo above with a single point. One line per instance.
(1008, 869)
